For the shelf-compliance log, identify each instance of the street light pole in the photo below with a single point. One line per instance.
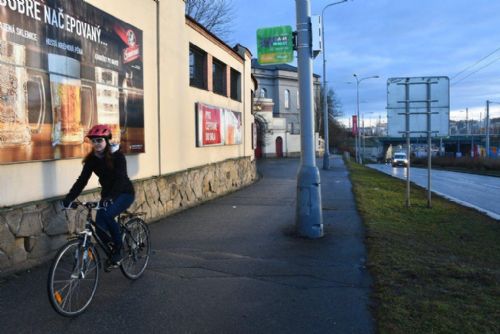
(488, 128)
(326, 155)
(358, 134)
(488, 102)
(308, 213)
(364, 130)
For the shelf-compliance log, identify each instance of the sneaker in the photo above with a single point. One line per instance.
(117, 256)
(109, 266)
(114, 261)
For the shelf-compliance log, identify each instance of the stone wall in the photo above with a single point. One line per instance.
(31, 233)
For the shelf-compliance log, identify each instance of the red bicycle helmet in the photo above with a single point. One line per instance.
(99, 130)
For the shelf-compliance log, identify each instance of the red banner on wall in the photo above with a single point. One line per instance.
(354, 125)
(218, 126)
(209, 125)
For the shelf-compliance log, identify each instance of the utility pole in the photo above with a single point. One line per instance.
(326, 154)
(358, 121)
(467, 120)
(308, 217)
(358, 133)
(488, 128)
(363, 142)
(326, 121)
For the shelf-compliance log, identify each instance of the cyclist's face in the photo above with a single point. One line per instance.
(99, 144)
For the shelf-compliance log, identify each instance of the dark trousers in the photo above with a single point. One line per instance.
(105, 219)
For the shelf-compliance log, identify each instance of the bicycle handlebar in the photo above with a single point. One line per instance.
(96, 205)
(88, 205)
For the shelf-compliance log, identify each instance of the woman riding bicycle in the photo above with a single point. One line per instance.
(110, 166)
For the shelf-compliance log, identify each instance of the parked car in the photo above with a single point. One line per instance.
(400, 159)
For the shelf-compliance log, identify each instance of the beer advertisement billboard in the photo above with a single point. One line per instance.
(66, 66)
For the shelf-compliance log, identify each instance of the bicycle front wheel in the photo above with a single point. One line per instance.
(136, 248)
(73, 278)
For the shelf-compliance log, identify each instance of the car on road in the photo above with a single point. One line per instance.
(400, 159)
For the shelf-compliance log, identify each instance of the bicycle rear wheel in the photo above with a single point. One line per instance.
(73, 278)
(136, 248)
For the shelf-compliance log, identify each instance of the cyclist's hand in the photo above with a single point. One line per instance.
(106, 202)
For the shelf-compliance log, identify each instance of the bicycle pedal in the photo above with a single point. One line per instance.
(110, 266)
(78, 275)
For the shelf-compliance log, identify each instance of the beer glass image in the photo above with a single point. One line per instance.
(108, 101)
(15, 128)
(233, 127)
(65, 91)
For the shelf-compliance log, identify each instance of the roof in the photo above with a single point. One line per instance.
(276, 67)
(201, 28)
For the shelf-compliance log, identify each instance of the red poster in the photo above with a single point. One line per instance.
(354, 125)
(210, 125)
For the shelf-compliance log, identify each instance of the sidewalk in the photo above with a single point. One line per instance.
(232, 265)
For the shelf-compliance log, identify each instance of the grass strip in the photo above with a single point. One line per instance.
(435, 270)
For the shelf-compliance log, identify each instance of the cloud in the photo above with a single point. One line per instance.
(393, 38)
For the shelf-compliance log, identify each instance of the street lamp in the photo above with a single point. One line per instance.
(358, 134)
(326, 155)
(488, 102)
(364, 128)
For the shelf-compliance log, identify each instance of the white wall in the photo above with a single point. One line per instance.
(32, 181)
(169, 139)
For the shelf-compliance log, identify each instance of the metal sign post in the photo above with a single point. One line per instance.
(429, 143)
(419, 101)
(276, 46)
(309, 218)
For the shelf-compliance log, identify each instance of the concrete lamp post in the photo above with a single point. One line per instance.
(358, 134)
(326, 155)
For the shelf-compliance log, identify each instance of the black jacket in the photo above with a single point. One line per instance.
(113, 181)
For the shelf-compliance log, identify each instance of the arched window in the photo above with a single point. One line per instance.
(287, 99)
(263, 93)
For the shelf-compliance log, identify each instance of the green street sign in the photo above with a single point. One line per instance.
(275, 45)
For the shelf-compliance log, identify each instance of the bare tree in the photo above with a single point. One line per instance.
(334, 108)
(215, 15)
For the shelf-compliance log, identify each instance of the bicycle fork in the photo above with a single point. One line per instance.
(82, 254)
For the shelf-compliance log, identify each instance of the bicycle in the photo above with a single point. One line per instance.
(74, 273)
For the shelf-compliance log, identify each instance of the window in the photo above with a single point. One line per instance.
(252, 105)
(263, 93)
(219, 77)
(197, 67)
(287, 99)
(298, 100)
(235, 85)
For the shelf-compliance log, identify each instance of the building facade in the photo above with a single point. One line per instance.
(277, 109)
(177, 96)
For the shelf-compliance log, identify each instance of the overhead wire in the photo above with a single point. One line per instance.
(477, 62)
(479, 69)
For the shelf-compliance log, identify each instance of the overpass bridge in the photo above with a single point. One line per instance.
(451, 144)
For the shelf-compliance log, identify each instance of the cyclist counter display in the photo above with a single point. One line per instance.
(67, 66)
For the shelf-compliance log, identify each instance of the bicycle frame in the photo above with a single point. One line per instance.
(80, 258)
(90, 230)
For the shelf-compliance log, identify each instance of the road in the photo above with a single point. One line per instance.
(231, 265)
(475, 191)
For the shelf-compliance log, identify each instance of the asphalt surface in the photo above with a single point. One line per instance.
(475, 191)
(232, 265)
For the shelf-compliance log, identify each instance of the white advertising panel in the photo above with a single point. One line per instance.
(417, 95)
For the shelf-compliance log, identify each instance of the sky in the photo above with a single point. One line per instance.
(395, 38)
